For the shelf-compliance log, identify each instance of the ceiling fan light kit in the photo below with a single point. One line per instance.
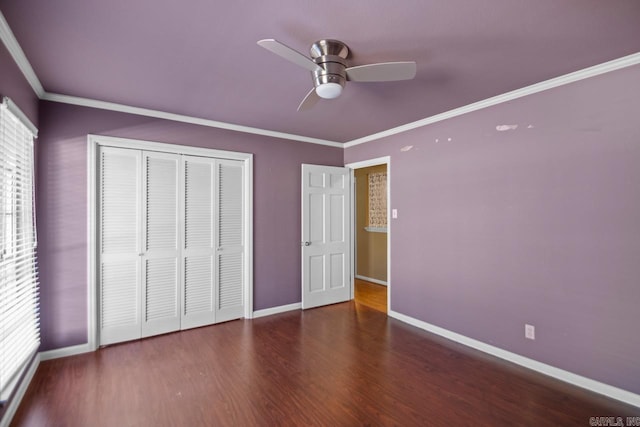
(329, 90)
(328, 66)
(330, 76)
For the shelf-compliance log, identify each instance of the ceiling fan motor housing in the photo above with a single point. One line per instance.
(331, 56)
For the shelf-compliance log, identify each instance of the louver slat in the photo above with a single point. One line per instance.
(119, 294)
(199, 192)
(230, 217)
(119, 210)
(161, 198)
(230, 206)
(198, 205)
(230, 270)
(161, 292)
(161, 278)
(198, 286)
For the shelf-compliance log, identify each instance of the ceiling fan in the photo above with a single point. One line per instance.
(329, 69)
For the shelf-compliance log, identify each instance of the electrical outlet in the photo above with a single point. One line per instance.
(394, 213)
(530, 332)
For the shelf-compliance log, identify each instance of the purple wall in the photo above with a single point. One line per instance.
(15, 86)
(535, 225)
(62, 207)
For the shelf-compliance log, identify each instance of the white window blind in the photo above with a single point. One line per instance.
(19, 320)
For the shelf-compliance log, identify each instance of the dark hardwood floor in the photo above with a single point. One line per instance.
(371, 294)
(341, 365)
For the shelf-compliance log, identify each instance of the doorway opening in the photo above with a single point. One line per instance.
(370, 233)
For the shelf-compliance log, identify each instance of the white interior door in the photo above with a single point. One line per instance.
(161, 288)
(326, 258)
(199, 250)
(119, 244)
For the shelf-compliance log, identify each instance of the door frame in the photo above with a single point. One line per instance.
(94, 142)
(359, 165)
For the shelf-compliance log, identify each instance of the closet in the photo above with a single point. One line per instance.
(170, 242)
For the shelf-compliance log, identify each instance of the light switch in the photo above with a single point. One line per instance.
(394, 213)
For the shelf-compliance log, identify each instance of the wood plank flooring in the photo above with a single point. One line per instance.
(371, 294)
(341, 365)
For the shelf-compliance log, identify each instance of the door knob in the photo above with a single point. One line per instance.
(306, 243)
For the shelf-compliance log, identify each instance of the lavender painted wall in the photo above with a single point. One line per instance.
(535, 225)
(15, 86)
(62, 207)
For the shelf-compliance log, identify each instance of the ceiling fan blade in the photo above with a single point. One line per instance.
(309, 101)
(382, 72)
(289, 54)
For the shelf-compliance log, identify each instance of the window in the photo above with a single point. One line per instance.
(377, 202)
(19, 324)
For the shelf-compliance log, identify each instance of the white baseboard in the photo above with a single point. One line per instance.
(566, 376)
(65, 351)
(369, 279)
(22, 389)
(276, 310)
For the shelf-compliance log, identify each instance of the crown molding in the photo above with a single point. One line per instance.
(12, 45)
(111, 106)
(9, 40)
(596, 70)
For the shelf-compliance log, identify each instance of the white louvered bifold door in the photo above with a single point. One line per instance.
(119, 244)
(161, 241)
(230, 240)
(198, 252)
